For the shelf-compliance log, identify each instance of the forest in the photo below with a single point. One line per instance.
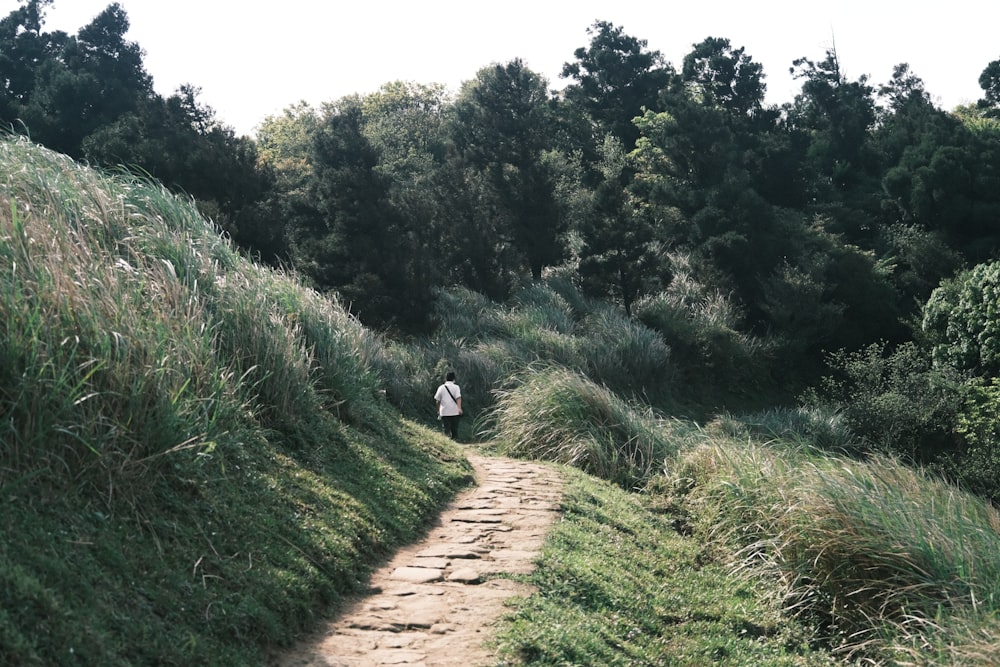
(837, 252)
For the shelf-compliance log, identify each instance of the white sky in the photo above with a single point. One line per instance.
(253, 58)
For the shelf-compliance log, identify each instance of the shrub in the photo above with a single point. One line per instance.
(962, 321)
(895, 401)
(976, 464)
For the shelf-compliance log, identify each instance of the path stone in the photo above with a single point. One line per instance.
(416, 575)
(435, 603)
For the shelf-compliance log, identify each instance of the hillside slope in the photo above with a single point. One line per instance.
(195, 462)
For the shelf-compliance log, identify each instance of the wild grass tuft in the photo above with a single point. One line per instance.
(713, 358)
(815, 426)
(882, 556)
(626, 355)
(555, 414)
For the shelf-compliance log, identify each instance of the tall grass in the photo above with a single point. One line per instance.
(816, 426)
(714, 358)
(892, 562)
(555, 414)
(626, 355)
(107, 354)
(131, 328)
(488, 344)
(194, 458)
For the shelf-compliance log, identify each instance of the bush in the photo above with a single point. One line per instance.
(962, 321)
(895, 401)
(976, 465)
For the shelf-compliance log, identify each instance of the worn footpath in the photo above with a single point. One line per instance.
(436, 602)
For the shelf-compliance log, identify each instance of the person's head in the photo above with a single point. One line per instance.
(450, 377)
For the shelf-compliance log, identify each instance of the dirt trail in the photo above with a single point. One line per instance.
(435, 603)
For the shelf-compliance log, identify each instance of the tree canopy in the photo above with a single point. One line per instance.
(828, 219)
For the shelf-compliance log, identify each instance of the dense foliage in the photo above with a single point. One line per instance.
(815, 231)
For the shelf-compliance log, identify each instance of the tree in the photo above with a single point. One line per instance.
(698, 169)
(719, 75)
(989, 81)
(357, 243)
(837, 114)
(352, 199)
(85, 82)
(284, 149)
(501, 128)
(89, 96)
(941, 175)
(407, 125)
(905, 89)
(619, 257)
(723, 93)
(617, 79)
(941, 187)
(23, 47)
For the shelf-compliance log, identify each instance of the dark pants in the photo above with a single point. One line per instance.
(450, 425)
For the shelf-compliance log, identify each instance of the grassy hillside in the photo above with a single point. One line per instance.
(867, 561)
(619, 585)
(195, 461)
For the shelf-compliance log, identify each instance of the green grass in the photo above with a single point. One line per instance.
(196, 462)
(218, 564)
(555, 414)
(889, 563)
(618, 585)
(884, 563)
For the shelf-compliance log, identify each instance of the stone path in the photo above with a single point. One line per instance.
(435, 603)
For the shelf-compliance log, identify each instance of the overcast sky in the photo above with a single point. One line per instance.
(254, 58)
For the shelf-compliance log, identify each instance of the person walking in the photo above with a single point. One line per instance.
(449, 404)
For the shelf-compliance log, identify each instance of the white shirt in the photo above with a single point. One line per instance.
(446, 406)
